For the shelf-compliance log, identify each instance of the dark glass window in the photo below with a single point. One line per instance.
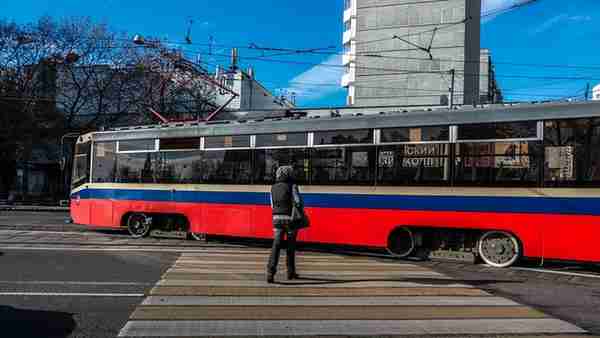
(343, 165)
(572, 152)
(226, 167)
(180, 143)
(81, 165)
(493, 131)
(136, 168)
(363, 136)
(218, 142)
(424, 134)
(105, 162)
(279, 140)
(419, 164)
(266, 162)
(137, 145)
(502, 163)
(181, 167)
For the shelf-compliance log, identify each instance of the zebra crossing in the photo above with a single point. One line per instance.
(223, 293)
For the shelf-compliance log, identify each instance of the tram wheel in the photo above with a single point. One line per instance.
(139, 225)
(401, 243)
(499, 249)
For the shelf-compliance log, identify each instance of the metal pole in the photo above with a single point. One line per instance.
(587, 91)
(452, 72)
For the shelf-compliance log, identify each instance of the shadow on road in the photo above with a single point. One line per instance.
(16, 322)
(307, 281)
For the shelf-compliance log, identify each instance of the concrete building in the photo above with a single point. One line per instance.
(252, 94)
(489, 90)
(401, 52)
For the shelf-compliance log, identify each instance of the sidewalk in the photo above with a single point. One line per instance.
(34, 208)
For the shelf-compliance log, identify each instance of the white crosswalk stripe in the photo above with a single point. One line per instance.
(223, 293)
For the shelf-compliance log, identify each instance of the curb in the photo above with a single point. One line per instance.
(33, 208)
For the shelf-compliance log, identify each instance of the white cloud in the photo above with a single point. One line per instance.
(548, 24)
(492, 8)
(318, 81)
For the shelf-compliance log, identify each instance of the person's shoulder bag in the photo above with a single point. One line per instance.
(299, 218)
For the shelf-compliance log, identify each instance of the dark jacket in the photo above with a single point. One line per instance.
(284, 196)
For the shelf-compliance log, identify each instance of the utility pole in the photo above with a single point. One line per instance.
(587, 91)
(452, 72)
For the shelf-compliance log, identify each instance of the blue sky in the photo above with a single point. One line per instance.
(550, 32)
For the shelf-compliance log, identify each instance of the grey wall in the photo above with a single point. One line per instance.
(383, 81)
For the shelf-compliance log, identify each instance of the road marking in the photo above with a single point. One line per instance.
(71, 294)
(247, 328)
(307, 282)
(574, 274)
(328, 301)
(71, 283)
(391, 273)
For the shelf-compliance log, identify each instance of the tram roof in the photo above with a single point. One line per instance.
(302, 120)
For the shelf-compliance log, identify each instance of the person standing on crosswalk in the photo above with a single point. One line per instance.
(288, 218)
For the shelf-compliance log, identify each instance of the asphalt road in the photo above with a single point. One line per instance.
(73, 294)
(79, 293)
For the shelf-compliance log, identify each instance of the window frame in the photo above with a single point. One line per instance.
(307, 145)
(204, 148)
(200, 143)
(156, 147)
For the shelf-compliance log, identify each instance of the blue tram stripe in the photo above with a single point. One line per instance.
(541, 205)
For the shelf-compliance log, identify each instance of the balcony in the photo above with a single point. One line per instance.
(348, 78)
(350, 13)
(348, 57)
(348, 36)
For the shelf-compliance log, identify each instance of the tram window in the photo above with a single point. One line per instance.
(266, 162)
(81, 164)
(572, 152)
(498, 131)
(363, 136)
(418, 164)
(180, 143)
(422, 134)
(226, 167)
(137, 145)
(502, 163)
(136, 168)
(104, 162)
(221, 142)
(343, 165)
(278, 140)
(180, 167)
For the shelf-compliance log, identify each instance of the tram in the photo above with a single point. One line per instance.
(497, 183)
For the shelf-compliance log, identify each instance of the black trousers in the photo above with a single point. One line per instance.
(276, 249)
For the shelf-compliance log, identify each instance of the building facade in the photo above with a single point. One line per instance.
(403, 52)
(489, 90)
